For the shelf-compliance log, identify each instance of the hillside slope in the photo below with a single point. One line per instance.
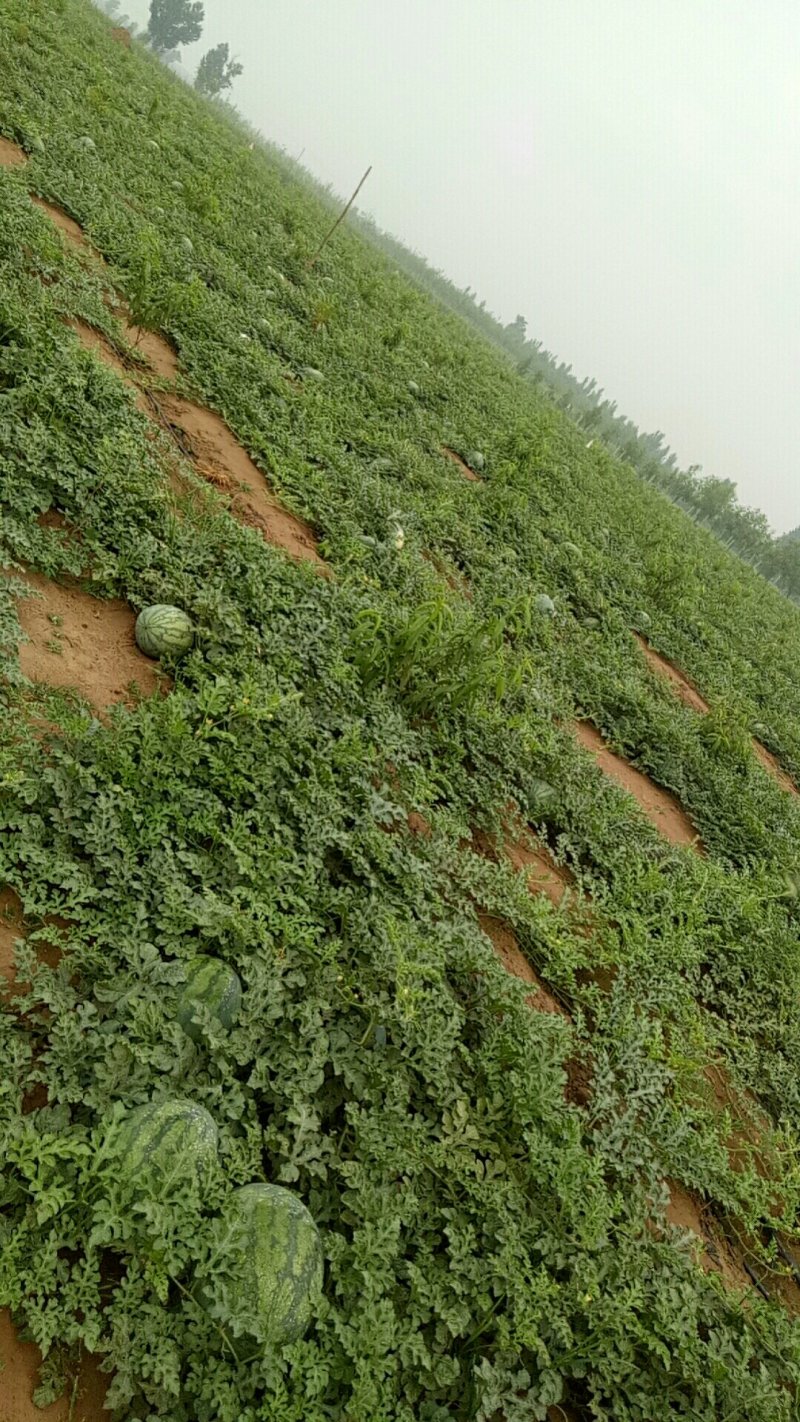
(513, 896)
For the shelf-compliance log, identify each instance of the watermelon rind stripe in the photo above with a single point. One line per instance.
(284, 1253)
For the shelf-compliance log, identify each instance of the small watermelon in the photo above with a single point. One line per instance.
(476, 461)
(543, 796)
(544, 604)
(166, 1140)
(163, 631)
(281, 1282)
(216, 986)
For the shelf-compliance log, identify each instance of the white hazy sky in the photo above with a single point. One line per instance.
(625, 173)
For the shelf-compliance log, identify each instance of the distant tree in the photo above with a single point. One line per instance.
(174, 22)
(216, 71)
(716, 497)
(517, 329)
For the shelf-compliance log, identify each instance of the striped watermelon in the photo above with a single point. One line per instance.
(281, 1283)
(163, 1141)
(163, 631)
(216, 986)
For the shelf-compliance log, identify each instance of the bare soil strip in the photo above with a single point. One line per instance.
(713, 1253)
(19, 1378)
(514, 961)
(658, 804)
(521, 850)
(11, 155)
(94, 341)
(773, 767)
(220, 459)
(154, 349)
(70, 228)
(691, 697)
(200, 433)
(79, 643)
(465, 469)
(11, 928)
(688, 694)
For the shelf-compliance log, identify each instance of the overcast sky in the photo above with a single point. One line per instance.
(625, 173)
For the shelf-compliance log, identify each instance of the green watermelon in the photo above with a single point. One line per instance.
(213, 984)
(281, 1282)
(166, 1140)
(162, 631)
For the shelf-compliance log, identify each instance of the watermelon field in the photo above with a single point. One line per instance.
(399, 840)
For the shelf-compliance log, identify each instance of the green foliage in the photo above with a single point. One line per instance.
(437, 658)
(491, 1247)
(155, 296)
(174, 22)
(216, 71)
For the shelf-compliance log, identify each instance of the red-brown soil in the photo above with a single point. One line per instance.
(19, 1378)
(514, 961)
(11, 155)
(66, 224)
(688, 694)
(658, 804)
(78, 642)
(465, 469)
(220, 459)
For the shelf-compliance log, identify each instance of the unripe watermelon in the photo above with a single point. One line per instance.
(544, 604)
(162, 630)
(216, 986)
(167, 1140)
(281, 1283)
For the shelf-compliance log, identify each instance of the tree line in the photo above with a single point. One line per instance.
(177, 22)
(711, 502)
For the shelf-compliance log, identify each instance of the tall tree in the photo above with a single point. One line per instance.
(174, 22)
(516, 330)
(216, 71)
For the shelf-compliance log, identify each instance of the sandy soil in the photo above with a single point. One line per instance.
(465, 469)
(514, 961)
(11, 155)
(11, 928)
(159, 354)
(688, 694)
(659, 805)
(66, 224)
(81, 643)
(771, 764)
(18, 1380)
(220, 459)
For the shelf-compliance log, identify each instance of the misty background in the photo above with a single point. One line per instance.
(623, 174)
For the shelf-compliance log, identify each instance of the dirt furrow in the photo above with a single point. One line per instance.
(691, 697)
(76, 642)
(661, 807)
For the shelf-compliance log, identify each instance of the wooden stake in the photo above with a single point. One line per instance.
(340, 219)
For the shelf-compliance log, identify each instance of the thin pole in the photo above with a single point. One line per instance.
(340, 218)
